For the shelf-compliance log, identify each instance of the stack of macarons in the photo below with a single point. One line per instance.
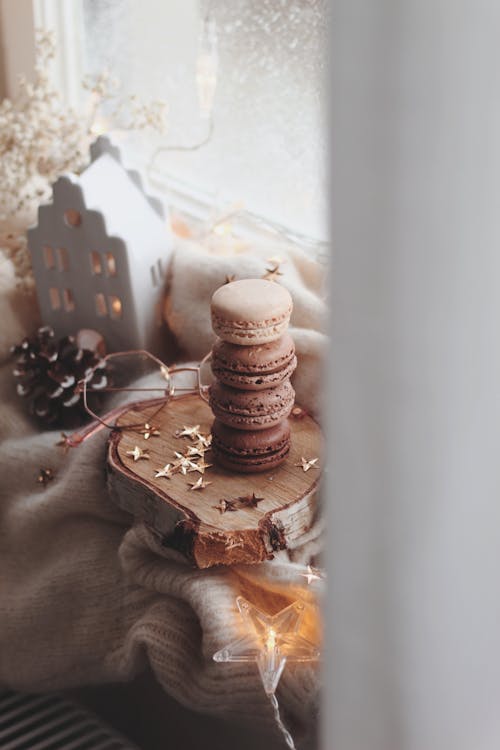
(252, 361)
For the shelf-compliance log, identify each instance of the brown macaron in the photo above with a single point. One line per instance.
(254, 367)
(250, 452)
(251, 410)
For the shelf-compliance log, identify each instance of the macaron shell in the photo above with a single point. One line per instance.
(258, 443)
(247, 336)
(254, 382)
(252, 465)
(251, 410)
(254, 359)
(251, 311)
(250, 452)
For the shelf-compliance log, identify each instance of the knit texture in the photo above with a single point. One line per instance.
(88, 597)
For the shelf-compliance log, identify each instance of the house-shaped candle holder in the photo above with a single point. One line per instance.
(99, 254)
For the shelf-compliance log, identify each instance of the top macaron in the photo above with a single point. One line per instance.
(251, 311)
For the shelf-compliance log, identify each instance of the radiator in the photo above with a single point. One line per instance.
(51, 722)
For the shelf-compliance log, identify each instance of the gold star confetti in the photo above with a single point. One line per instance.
(191, 432)
(236, 541)
(204, 440)
(45, 475)
(225, 506)
(199, 484)
(196, 450)
(229, 279)
(138, 454)
(149, 430)
(272, 273)
(200, 466)
(308, 463)
(183, 464)
(249, 501)
(167, 472)
(67, 441)
(311, 575)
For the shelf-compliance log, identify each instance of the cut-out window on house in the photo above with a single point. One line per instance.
(48, 257)
(95, 263)
(72, 218)
(115, 307)
(55, 298)
(110, 264)
(100, 305)
(154, 278)
(69, 300)
(62, 259)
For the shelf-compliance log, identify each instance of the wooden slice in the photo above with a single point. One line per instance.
(193, 521)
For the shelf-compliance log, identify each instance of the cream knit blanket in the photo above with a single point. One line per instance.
(87, 598)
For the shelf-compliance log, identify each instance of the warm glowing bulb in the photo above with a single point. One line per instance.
(222, 229)
(271, 639)
(100, 126)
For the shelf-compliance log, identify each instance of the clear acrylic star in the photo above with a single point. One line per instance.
(271, 642)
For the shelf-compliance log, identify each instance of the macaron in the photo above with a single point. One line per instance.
(251, 311)
(254, 367)
(250, 452)
(251, 410)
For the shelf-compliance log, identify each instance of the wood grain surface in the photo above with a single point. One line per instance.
(191, 520)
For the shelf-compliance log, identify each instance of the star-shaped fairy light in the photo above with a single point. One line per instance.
(167, 472)
(138, 454)
(272, 273)
(149, 430)
(272, 640)
(199, 484)
(308, 463)
(190, 432)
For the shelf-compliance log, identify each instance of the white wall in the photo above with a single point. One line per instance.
(415, 439)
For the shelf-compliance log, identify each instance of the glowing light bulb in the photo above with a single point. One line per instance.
(271, 641)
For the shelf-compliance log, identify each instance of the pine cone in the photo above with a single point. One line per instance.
(47, 372)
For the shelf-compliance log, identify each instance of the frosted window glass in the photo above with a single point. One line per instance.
(268, 146)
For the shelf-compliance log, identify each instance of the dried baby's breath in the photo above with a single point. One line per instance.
(41, 138)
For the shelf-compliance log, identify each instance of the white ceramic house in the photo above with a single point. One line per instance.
(99, 254)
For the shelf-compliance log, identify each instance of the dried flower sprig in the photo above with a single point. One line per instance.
(41, 138)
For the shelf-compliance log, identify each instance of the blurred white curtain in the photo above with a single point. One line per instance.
(414, 496)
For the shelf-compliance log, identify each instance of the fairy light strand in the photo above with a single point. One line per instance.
(277, 717)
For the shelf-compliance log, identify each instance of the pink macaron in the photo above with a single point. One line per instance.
(251, 311)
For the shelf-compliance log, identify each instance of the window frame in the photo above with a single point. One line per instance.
(18, 24)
